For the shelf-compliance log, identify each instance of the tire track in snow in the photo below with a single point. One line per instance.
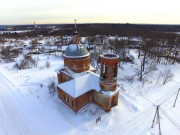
(11, 122)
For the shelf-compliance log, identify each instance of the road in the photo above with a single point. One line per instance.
(11, 120)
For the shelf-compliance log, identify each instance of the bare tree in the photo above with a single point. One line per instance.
(95, 59)
(167, 75)
(159, 76)
(149, 68)
(52, 85)
(34, 43)
(26, 62)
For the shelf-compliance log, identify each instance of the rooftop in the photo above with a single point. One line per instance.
(109, 56)
(76, 51)
(81, 84)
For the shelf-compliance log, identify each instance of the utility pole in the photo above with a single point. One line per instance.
(157, 118)
(154, 118)
(176, 98)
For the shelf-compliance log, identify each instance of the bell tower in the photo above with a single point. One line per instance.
(76, 38)
(108, 72)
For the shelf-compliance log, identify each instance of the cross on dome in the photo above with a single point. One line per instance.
(75, 23)
(76, 38)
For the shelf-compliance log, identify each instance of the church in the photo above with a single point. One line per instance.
(79, 85)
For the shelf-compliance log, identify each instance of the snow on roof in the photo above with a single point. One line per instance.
(71, 73)
(57, 70)
(81, 85)
(64, 48)
(110, 93)
(136, 39)
(109, 56)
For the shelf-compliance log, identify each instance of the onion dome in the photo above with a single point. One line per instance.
(76, 51)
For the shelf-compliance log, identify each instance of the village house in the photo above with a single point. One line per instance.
(79, 85)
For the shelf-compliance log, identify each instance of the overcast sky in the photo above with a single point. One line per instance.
(89, 11)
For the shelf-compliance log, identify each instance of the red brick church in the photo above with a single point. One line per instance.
(79, 85)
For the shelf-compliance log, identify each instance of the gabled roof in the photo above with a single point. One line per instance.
(81, 84)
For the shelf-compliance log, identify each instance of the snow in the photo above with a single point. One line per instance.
(82, 84)
(17, 31)
(64, 48)
(110, 93)
(26, 108)
(73, 48)
(57, 70)
(69, 72)
(75, 56)
(109, 56)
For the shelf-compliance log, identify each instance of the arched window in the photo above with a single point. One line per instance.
(84, 65)
(115, 70)
(74, 66)
(104, 71)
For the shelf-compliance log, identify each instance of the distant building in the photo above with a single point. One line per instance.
(2, 27)
(35, 25)
(79, 85)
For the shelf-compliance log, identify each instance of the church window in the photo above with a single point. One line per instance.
(74, 66)
(67, 99)
(66, 78)
(84, 65)
(115, 71)
(104, 71)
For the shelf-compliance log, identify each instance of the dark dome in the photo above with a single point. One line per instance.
(75, 33)
(76, 50)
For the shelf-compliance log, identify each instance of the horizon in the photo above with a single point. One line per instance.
(21, 12)
(88, 23)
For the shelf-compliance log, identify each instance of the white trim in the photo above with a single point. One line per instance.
(76, 56)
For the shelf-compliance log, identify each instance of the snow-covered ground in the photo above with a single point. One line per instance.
(27, 108)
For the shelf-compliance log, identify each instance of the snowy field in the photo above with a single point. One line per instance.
(27, 108)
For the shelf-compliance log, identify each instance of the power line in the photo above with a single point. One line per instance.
(169, 97)
(170, 119)
(176, 98)
(143, 96)
(157, 111)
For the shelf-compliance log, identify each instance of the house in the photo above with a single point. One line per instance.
(79, 85)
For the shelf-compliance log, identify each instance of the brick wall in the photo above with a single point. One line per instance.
(108, 73)
(62, 77)
(103, 101)
(78, 64)
(67, 99)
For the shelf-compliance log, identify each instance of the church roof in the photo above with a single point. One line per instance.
(75, 51)
(81, 84)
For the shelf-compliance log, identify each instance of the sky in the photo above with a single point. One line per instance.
(89, 11)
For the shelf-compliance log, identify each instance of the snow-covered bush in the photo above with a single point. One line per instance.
(131, 58)
(47, 64)
(25, 62)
